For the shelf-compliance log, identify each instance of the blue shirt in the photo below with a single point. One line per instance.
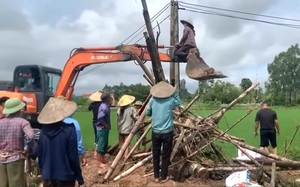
(161, 111)
(70, 120)
(103, 115)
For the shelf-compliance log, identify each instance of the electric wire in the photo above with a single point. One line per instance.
(144, 25)
(158, 14)
(203, 11)
(240, 12)
(192, 8)
(199, 10)
(243, 18)
(248, 19)
(154, 27)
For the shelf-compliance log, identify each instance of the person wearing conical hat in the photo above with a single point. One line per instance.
(164, 100)
(187, 40)
(125, 120)
(95, 99)
(138, 105)
(103, 127)
(57, 147)
(13, 129)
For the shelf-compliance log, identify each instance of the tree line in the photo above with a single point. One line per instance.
(283, 84)
(284, 77)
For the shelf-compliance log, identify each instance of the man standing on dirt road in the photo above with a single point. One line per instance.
(103, 128)
(13, 129)
(94, 106)
(58, 156)
(267, 119)
(161, 107)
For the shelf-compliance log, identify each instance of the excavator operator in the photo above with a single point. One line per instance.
(37, 83)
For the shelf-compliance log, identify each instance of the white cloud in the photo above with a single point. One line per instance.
(43, 33)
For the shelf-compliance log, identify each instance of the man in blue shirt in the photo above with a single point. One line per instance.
(81, 151)
(161, 107)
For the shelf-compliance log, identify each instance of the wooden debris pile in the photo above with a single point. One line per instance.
(195, 152)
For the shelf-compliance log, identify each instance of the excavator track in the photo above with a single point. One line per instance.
(197, 68)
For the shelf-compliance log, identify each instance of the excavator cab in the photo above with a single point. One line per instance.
(36, 84)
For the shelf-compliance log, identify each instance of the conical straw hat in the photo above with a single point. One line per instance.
(61, 97)
(138, 103)
(187, 21)
(162, 90)
(96, 96)
(56, 110)
(126, 100)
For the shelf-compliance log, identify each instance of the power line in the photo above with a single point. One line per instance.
(155, 27)
(142, 30)
(159, 13)
(96, 67)
(242, 12)
(243, 18)
(203, 11)
(144, 25)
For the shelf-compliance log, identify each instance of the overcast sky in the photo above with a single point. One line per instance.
(45, 31)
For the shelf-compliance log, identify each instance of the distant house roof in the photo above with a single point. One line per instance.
(86, 94)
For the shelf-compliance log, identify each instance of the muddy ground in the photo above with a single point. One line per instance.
(93, 176)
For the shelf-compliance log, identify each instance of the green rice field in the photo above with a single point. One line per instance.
(288, 119)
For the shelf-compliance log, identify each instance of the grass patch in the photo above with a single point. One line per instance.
(287, 120)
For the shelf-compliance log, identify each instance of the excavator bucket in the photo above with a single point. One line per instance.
(197, 69)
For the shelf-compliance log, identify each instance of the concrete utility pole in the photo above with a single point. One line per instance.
(174, 38)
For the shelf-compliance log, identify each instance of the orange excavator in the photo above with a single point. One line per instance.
(35, 84)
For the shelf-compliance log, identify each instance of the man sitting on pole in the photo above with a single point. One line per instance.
(187, 41)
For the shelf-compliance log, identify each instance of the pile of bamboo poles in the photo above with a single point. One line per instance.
(194, 138)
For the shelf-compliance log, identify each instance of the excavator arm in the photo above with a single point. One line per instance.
(196, 67)
(83, 57)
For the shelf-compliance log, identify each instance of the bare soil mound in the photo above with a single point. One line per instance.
(93, 176)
